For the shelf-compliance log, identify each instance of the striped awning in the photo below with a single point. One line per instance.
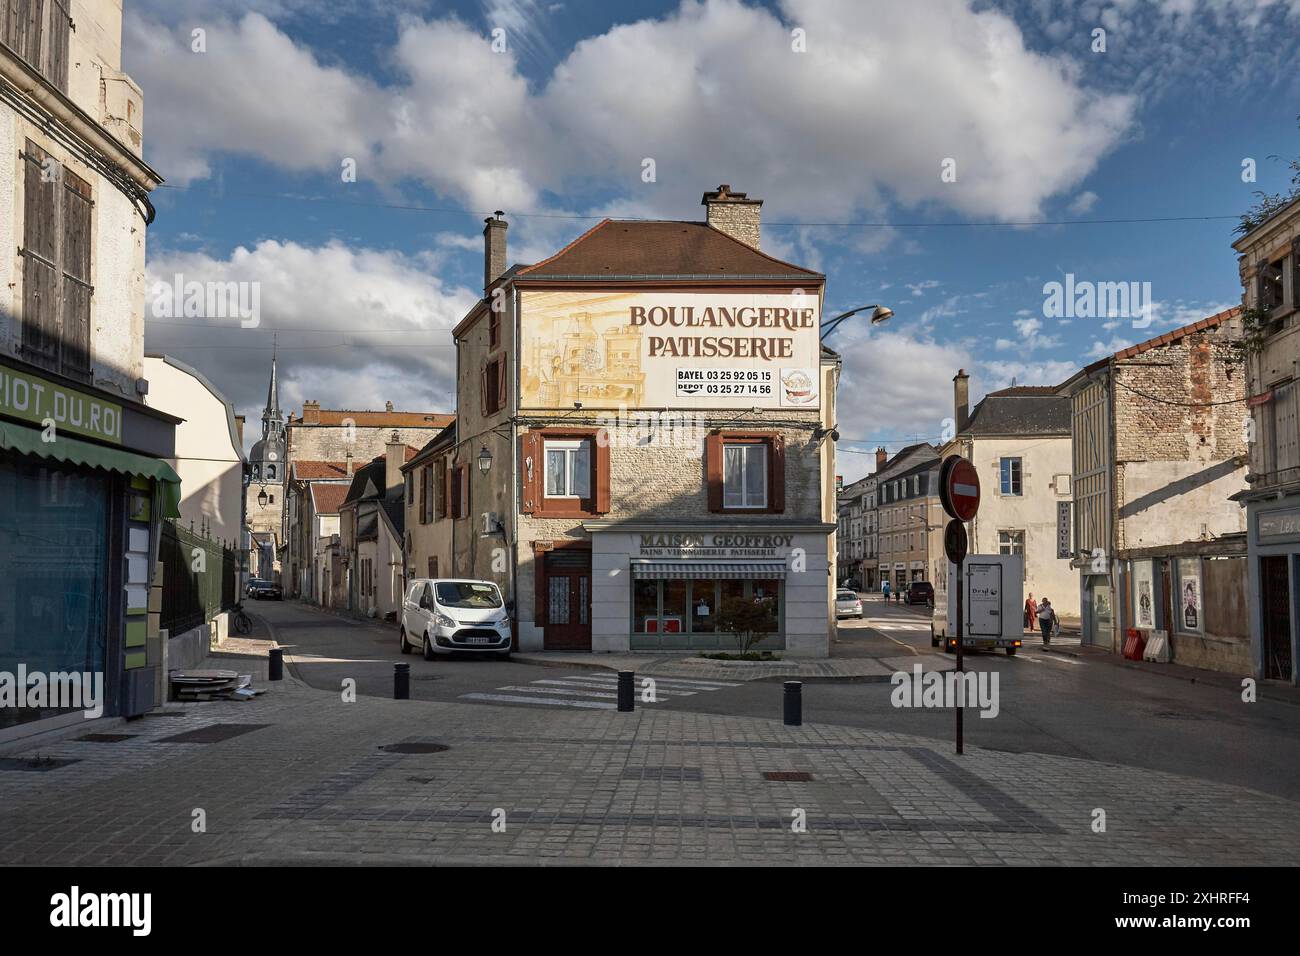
(659, 570)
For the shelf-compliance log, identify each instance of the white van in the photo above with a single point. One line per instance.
(441, 616)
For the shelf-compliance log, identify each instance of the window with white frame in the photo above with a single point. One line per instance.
(1011, 476)
(744, 476)
(568, 468)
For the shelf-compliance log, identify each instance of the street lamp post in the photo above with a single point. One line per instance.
(879, 314)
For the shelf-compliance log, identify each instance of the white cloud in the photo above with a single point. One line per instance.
(712, 86)
(1029, 340)
(368, 324)
(1100, 349)
(1083, 203)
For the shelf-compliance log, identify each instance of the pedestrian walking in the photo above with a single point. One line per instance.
(1031, 612)
(884, 589)
(1047, 621)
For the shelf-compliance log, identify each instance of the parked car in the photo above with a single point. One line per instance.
(847, 604)
(442, 616)
(262, 589)
(920, 592)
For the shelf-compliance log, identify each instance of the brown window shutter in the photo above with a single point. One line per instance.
(424, 495)
(602, 472)
(444, 498)
(713, 469)
(530, 470)
(776, 475)
(501, 383)
(483, 391)
(76, 275)
(456, 493)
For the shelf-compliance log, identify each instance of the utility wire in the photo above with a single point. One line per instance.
(867, 224)
(1166, 401)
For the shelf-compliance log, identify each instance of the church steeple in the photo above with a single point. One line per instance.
(272, 418)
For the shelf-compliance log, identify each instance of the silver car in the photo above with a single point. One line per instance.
(847, 604)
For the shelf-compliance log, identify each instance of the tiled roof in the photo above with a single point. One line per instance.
(1026, 390)
(365, 419)
(327, 496)
(306, 470)
(1030, 410)
(619, 247)
(1210, 322)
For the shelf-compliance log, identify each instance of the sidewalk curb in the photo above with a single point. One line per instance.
(1114, 660)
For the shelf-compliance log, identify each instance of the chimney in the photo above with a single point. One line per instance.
(961, 399)
(349, 462)
(239, 429)
(882, 456)
(388, 406)
(311, 413)
(394, 459)
(734, 213)
(494, 250)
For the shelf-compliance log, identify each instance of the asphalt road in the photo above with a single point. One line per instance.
(1048, 703)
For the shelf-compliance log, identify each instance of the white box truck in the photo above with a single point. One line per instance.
(993, 604)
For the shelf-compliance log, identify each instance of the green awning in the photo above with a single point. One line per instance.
(27, 441)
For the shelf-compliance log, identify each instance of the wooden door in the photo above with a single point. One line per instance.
(567, 599)
(1276, 616)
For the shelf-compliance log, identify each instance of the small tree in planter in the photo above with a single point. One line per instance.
(747, 620)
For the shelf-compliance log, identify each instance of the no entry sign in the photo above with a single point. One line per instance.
(959, 488)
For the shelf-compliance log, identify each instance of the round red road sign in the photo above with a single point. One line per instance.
(961, 484)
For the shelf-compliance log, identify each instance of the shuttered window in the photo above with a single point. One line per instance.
(1286, 441)
(38, 31)
(56, 265)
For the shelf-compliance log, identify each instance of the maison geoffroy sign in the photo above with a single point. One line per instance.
(31, 398)
(669, 350)
(721, 545)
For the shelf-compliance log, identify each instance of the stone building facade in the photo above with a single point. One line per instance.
(324, 444)
(611, 471)
(1269, 263)
(910, 517)
(1159, 448)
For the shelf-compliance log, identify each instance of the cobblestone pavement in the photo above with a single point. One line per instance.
(298, 776)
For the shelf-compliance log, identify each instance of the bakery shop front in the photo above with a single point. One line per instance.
(661, 587)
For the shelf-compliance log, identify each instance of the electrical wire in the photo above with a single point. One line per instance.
(866, 224)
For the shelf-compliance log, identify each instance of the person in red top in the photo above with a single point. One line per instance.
(1031, 613)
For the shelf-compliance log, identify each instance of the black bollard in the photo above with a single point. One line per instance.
(275, 664)
(793, 703)
(626, 692)
(401, 682)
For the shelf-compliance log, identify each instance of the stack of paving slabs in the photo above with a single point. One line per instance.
(212, 685)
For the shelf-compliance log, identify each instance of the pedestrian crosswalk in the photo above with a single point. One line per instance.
(595, 691)
(897, 624)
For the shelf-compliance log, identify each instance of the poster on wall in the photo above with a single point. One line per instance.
(669, 350)
(1189, 594)
(1144, 594)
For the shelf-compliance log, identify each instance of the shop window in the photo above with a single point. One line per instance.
(678, 613)
(745, 472)
(1011, 483)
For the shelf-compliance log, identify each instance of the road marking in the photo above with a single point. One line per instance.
(509, 699)
(593, 685)
(566, 691)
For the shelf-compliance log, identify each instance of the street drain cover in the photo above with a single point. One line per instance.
(789, 776)
(414, 747)
(36, 764)
(212, 734)
(107, 738)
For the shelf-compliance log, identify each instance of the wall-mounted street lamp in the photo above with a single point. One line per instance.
(879, 314)
(484, 460)
(261, 497)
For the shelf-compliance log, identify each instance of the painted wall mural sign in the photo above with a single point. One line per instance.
(30, 398)
(669, 350)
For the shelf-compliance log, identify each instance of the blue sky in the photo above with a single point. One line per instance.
(850, 132)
